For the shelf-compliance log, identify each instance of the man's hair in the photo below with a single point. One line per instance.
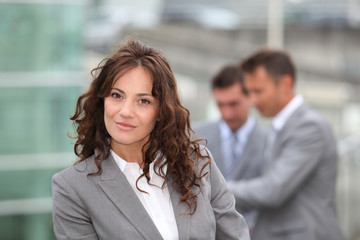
(276, 62)
(228, 76)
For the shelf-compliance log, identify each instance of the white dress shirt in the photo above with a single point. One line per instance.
(281, 118)
(156, 200)
(277, 124)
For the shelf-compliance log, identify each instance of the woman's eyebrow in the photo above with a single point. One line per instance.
(144, 95)
(139, 94)
(117, 89)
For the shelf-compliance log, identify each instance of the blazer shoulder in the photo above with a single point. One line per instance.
(309, 125)
(204, 127)
(318, 123)
(76, 171)
(307, 113)
(202, 161)
(205, 152)
(207, 130)
(206, 164)
(304, 117)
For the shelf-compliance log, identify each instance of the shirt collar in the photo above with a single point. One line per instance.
(119, 161)
(122, 163)
(281, 118)
(241, 133)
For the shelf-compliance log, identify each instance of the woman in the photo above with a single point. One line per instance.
(139, 175)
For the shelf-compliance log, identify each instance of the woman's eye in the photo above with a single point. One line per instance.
(115, 95)
(144, 101)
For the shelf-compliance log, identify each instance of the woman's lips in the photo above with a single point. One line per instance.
(125, 126)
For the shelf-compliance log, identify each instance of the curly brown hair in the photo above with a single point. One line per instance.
(169, 141)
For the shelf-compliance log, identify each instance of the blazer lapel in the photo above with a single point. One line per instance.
(244, 161)
(215, 146)
(180, 210)
(288, 128)
(240, 169)
(251, 149)
(117, 188)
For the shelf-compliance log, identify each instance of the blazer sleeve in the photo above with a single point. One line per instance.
(229, 223)
(300, 155)
(70, 218)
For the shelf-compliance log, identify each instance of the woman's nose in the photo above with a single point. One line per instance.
(127, 109)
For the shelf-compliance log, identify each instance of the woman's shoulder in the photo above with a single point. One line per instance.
(203, 161)
(76, 171)
(73, 183)
(205, 153)
(206, 164)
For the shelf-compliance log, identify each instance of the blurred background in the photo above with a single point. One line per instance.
(48, 48)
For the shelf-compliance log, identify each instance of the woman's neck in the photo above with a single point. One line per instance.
(130, 153)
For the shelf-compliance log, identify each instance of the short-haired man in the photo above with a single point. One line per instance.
(235, 141)
(296, 193)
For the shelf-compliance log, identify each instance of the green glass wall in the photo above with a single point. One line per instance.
(41, 59)
(36, 119)
(40, 37)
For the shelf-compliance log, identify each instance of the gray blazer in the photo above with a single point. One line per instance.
(247, 166)
(296, 194)
(106, 207)
(249, 163)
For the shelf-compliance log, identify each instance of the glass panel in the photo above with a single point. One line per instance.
(27, 227)
(36, 119)
(41, 62)
(40, 37)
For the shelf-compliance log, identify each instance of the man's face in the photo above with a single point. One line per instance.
(264, 93)
(233, 105)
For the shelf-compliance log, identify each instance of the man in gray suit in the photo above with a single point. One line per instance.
(296, 193)
(235, 141)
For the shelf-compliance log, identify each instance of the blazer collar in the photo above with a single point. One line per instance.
(294, 117)
(115, 185)
(290, 125)
(283, 116)
(247, 154)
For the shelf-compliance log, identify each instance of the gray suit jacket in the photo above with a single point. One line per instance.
(296, 193)
(249, 163)
(247, 166)
(106, 207)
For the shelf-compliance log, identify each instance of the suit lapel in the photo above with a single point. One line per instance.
(288, 128)
(244, 158)
(215, 146)
(180, 210)
(117, 188)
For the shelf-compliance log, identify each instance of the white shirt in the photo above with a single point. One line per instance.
(281, 118)
(278, 123)
(156, 200)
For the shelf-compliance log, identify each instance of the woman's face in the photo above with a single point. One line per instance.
(131, 110)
